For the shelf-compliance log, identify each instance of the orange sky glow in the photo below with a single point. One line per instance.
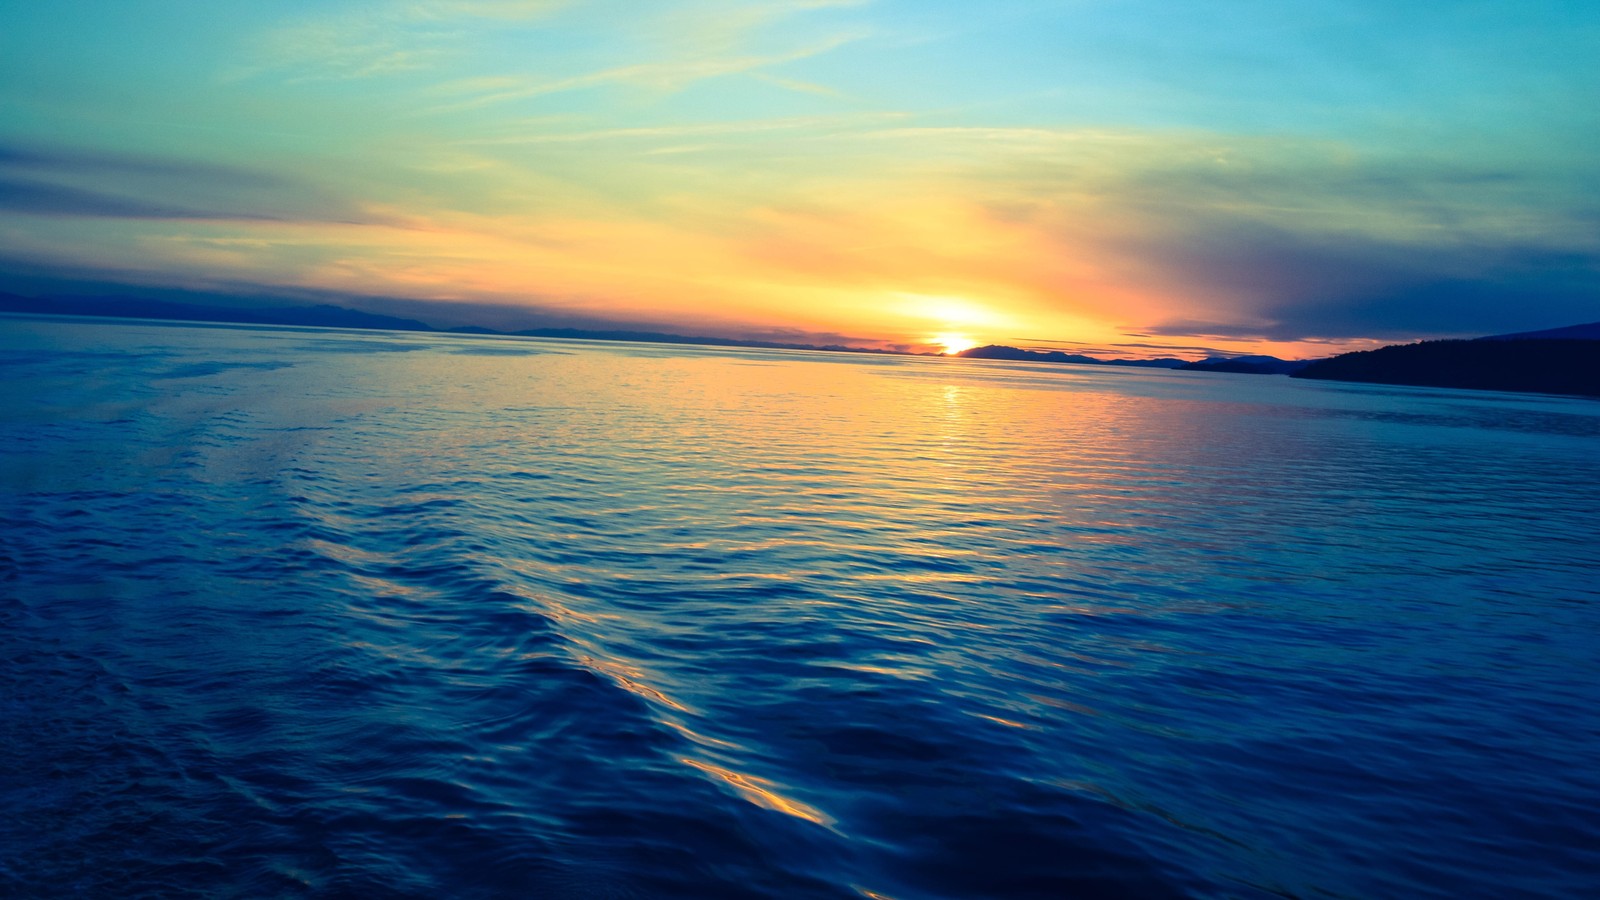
(884, 174)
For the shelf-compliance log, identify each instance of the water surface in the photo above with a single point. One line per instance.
(300, 612)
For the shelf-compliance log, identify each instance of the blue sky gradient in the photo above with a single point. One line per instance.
(1289, 177)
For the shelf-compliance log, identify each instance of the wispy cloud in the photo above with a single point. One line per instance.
(510, 10)
(682, 44)
(674, 75)
(386, 39)
(44, 199)
(802, 87)
(56, 158)
(814, 127)
(71, 181)
(728, 27)
(1359, 250)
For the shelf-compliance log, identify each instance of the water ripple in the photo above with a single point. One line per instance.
(419, 616)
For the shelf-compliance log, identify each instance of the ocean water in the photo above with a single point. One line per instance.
(298, 612)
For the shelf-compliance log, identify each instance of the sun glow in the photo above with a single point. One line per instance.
(953, 343)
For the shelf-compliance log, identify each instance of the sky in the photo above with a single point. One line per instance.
(1295, 177)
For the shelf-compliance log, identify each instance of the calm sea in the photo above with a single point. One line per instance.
(295, 612)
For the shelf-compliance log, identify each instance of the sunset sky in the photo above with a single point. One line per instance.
(1284, 177)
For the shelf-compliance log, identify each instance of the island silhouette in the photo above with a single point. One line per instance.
(1545, 365)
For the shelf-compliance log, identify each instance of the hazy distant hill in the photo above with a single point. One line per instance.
(998, 351)
(1248, 365)
(661, 337)
(328, 316)
(323, 316)
(1505, 363)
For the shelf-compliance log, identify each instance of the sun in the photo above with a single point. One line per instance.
(953, 343)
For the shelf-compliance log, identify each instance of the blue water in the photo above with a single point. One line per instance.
(293, 612)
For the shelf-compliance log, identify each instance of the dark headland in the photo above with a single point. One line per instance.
(1551, 361)
(1545, 365)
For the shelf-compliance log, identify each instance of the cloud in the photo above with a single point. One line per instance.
(38, 198)
(728, 27)
(75, 159)
(673, 75)
(386, 39)
(1253, 239)
(1187, 348)
(511, 10)
(811, 128)
(801, 87)
(668, 48)
(1297, 280)
(75, 181)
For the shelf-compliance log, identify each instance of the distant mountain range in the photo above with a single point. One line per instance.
(1248, 365)
(998, 351)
